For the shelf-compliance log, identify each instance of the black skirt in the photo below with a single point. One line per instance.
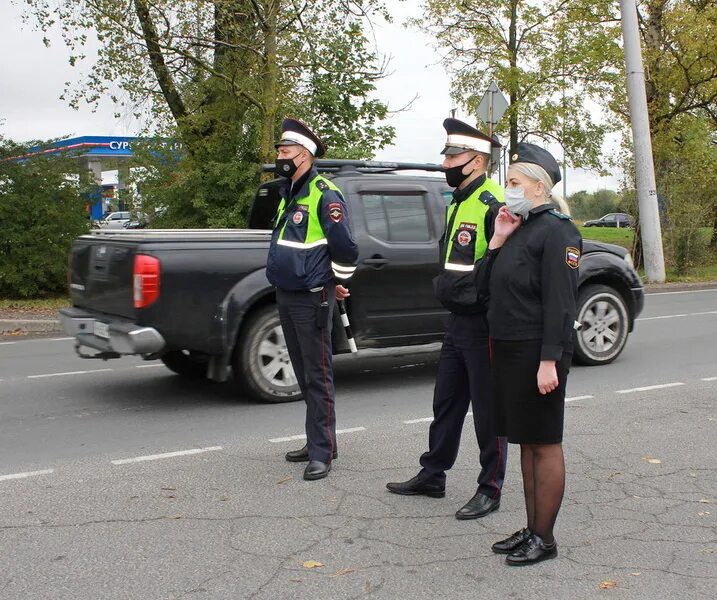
(523, 414)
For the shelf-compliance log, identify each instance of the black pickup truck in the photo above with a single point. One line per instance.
(199, 300)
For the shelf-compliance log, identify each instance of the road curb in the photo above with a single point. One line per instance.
(25, 326)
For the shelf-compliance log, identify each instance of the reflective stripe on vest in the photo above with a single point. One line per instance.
(314, 233)
(468, 229)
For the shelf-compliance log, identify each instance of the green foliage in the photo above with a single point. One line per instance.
(585, 205)
(41, 213)
(218, 76)
(550, 58)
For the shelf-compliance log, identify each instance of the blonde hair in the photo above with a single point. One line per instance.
(537, 173)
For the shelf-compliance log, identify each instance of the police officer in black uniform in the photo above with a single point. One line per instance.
(529, 278)
(464, 366)
(312, 247)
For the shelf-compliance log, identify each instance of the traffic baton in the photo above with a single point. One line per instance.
(347, 327)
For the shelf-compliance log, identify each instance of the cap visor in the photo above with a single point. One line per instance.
(286, 143)
(450, 150)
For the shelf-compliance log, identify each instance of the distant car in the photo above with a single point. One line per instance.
(611, 220)
(115, 220)
(135, 224)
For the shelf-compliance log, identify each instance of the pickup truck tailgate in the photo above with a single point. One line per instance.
(101, 275)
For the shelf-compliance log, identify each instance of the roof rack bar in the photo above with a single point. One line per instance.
(373, 165)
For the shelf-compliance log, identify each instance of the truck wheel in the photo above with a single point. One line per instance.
(603, 315)
(261, 361)
(186, 363)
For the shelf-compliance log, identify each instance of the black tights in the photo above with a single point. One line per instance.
(543, 468)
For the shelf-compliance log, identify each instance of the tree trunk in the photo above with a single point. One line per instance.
(270, 74)
(513, 93)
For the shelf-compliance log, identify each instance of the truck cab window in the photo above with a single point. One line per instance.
(397, 217)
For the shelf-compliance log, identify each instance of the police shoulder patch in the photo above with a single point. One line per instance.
(572, 257)
(336, 212)
(322, 185)
(560, 215)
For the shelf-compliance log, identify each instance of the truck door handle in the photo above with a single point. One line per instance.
(376, 261)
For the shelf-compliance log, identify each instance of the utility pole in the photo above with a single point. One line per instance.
(644, 168)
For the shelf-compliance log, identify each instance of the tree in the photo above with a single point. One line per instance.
(218, 75)
(550, 58)
(42, 211)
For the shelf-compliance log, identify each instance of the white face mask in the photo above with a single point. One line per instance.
(516, 202)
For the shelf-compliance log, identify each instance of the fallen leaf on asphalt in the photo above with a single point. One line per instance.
(608, 584)
(705, 501)
(170, 496)
(651, 460)
(709, 550)
(702, 514)
(175, 517)
(614, 474)
(296, 580)
(636, 574)
(169, 489)
(312, 564)
(287, 478)
(341, 572)
(223, 498)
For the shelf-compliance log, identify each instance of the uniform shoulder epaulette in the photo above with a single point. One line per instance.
(560, 215)
(322, 185)
(487, 198)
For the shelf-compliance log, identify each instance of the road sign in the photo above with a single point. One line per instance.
(493, 105)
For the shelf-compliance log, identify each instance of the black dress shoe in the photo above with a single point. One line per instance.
(316, 470)
(417, 487)
(302, 455)
(511, 543)
(533, 550)
(478, 506)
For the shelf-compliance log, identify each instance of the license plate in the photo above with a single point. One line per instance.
(102, 330)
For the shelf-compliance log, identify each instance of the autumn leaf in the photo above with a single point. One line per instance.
(608, 584)
(341, 572)
(175, 517)
(287, 478)
(702, 514)
(312, 564)
(651, 460)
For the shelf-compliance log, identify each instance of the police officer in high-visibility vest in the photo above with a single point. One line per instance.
(312, 248)
(464, 365)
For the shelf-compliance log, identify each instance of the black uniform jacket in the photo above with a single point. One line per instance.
(531, 284)
(456, 290)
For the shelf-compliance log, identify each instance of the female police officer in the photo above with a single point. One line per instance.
(529, 278)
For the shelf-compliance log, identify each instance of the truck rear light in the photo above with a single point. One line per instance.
(146, 280)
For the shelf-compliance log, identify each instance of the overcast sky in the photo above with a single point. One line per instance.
(32, 78)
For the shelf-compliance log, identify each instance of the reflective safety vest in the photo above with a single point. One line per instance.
(465, 240)
(305, 222)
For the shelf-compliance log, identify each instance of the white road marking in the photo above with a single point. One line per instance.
(36, 340)
(67, 373)
(424, 420)
(697, 314)
(26, 474)
(291, 438)
(148, 366)
(681, 292)
(703, 379)
(60, 339)
(650, 387)
(136, 459)
(7, 343)
(574, 398)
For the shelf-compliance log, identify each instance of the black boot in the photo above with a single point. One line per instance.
(511, 543)
(532, 551)
(303, 455)
(316, 470)
(417, 487)
(478, 506)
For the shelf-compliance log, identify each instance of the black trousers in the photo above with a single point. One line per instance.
(464, 377)
(307, 331)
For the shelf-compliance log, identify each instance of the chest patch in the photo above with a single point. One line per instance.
(471, 226)
(336, 212)
(464, 237)
(297, 217)
(572, 257)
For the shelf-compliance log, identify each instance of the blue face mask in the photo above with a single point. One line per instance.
(517, 203)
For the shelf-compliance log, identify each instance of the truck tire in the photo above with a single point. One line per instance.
(189, 364)
(261, 361)
(603, 315)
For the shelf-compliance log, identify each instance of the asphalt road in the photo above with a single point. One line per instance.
(91, 511)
